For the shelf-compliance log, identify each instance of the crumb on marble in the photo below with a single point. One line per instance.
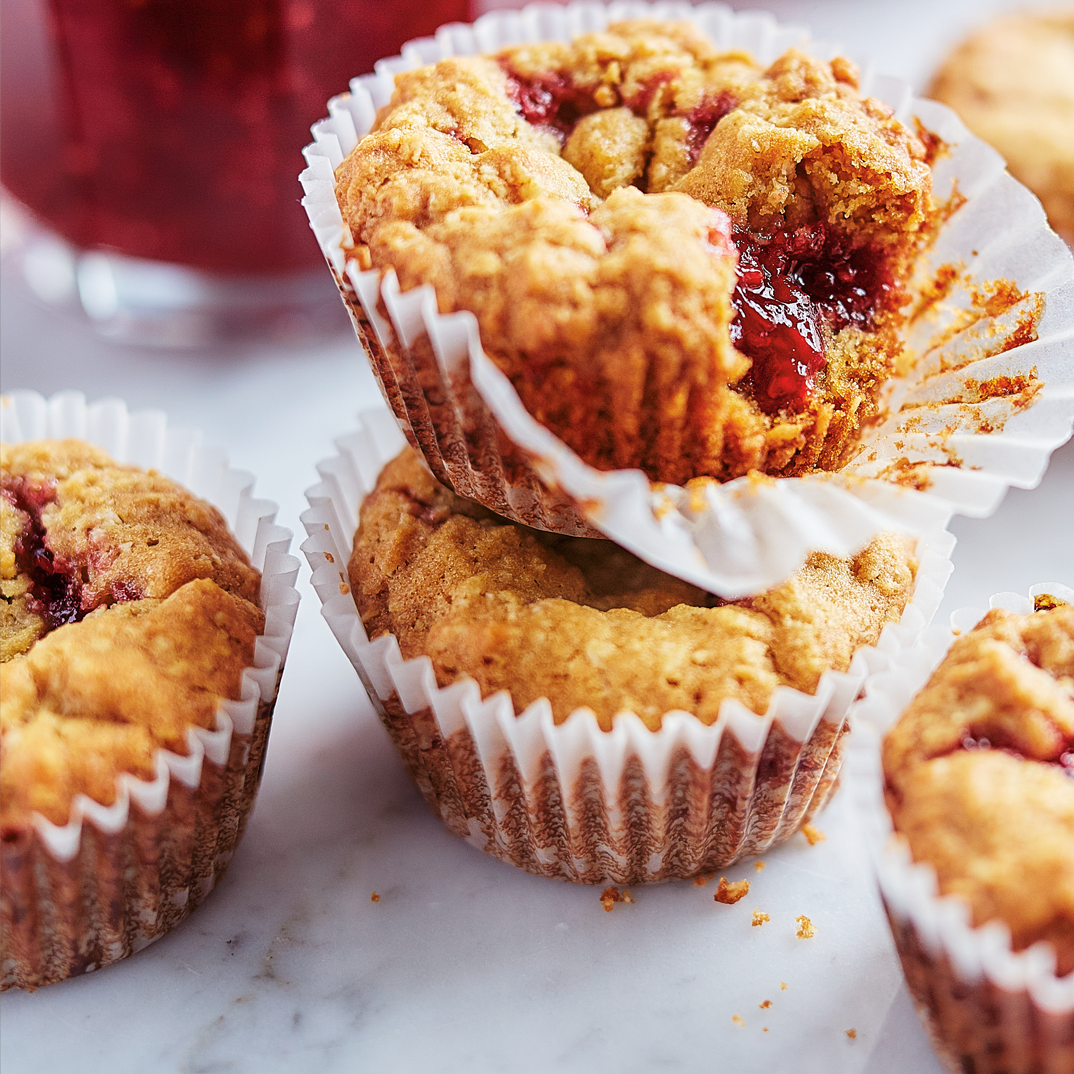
(611, 895)
(852, 1034)
(758, 865)
(764, 1029)
(730, 893)
(765, 1004)
(759, 919)
(701, 881)
(374, 897)
(738, 1019)
(814, 835)
(783, 986)
(806, 929)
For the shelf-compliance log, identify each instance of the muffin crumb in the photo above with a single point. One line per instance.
(759, 919)
(374, 897)
(806, 929)
(611, 895)
(758, 865)
(813, 835)
(738, 1019)
(730, 893)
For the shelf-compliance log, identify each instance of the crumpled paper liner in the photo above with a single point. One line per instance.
(946, 445)
(572, 801)
(116, 878)
(987, 1008)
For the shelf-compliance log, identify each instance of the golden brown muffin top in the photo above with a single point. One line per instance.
(585, 623)
(128, 612)
(485, 177)
(979, 775)
(1013, 83)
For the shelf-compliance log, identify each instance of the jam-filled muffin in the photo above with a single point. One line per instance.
(532, 659)
(979, 775)
(129, 613)
(684, 261)
(584, 623)
(1012, 81)
(131, 738)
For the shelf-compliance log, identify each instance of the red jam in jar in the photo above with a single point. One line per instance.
(172, 129)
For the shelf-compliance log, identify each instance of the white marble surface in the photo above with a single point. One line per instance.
(466, 964)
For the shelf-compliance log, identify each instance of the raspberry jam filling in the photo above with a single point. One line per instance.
(550, 101)
(702, 121)
(55, 586)
(790, 285)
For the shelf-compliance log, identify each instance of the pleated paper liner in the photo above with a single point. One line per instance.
(981, 409)
(987, 1008)
(573, 801)
(116, 878)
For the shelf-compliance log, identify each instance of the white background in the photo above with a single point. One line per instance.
(466, 964)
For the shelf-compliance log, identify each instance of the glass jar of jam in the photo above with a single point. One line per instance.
(170, 131)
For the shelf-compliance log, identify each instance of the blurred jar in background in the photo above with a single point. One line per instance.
(159, 142)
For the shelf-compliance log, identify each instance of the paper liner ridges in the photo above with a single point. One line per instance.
(115, 878)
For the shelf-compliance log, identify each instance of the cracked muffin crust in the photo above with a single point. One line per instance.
(584, 623)
(1013, 83)
(682, 260)
(128, 613)
(979, 775)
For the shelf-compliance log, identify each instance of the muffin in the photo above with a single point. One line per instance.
(978, 780)
(583, 623)
(574, 711)
(684, 261)
(137, 679)
(1012, 81)
(923, 295)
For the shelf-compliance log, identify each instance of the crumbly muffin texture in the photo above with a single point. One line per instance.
(582, 622)
(585, 201)
(129, 611)
(1013, 83)
(980, 775)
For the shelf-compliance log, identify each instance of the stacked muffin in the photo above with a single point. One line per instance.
(682, 261)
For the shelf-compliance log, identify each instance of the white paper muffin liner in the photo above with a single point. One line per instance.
(573, 801)
(736, 538)
(988, 1008)
(115, 878)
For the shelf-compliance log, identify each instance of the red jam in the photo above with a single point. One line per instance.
(171, 129)
(55, 586)
(550, 101)
(702, 120)
(790, 285)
